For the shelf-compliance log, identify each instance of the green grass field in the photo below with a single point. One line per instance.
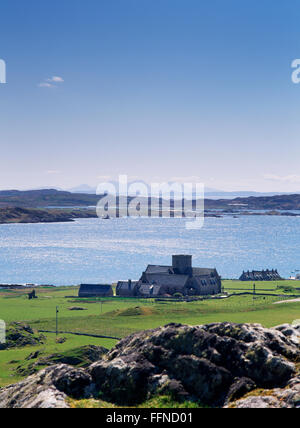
(120, 317)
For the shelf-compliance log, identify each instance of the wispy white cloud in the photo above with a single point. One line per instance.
(56, 79)
(293, 178)
(45, 85)
(52, 172)
(50, 83)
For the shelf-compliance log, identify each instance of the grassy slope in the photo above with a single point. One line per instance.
(261, 286)
(12, 358)
(120, 317)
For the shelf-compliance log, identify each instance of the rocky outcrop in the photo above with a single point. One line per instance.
(288, 397)
(211, 364)
(49, 388)
(19, 335)
(222, 364)
(81, 357)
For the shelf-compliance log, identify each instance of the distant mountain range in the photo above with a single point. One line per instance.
(209, 192)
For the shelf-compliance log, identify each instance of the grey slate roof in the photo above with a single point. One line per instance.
(265, 275)
(203, 271)
(165, 279)
(152, 269)
(124, 285)
(159, 269)
(95, 290)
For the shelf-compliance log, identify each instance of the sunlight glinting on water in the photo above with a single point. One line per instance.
(96, 251)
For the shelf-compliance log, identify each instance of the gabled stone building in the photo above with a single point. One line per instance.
(180, 277)
(127, 288)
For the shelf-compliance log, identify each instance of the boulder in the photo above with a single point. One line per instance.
(49, 388)
(292, 332)
(210, 364)
(124, 380)
(217, 365)
(163, 385)
(239, 388)
(19, 334)
(288, 397)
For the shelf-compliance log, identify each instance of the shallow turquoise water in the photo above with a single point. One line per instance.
(104, 251)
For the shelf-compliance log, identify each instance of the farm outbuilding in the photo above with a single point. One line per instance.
(95, 290)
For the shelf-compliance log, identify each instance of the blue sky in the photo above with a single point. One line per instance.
(156, 89)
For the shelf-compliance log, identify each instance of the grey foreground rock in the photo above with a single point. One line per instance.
(49, 388)
(218, 365)
(288, 397)
(212, 364)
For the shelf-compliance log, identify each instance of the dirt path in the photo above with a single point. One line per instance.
(287, 301)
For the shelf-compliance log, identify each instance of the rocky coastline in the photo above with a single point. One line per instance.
(11, 215)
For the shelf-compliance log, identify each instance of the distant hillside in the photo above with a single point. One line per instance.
(245, 194)
(45, 198)
(59, 199)
(278, 202)
(31, 215)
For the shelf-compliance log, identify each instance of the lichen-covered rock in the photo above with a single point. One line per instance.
(19, 334)
(220, 364)
(208, 362)
(47, 389)
(162, 385)
(259, 402)
(124, 380)
(239, 388)
(288, 397)
(292, 332)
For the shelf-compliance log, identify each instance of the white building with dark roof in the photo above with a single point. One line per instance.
(261, 275)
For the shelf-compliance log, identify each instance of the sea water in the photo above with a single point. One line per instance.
(105, 251)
